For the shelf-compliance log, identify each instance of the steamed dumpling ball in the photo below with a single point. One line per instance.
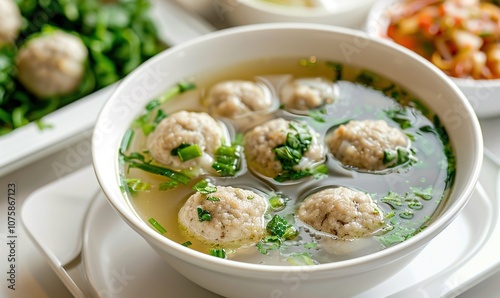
(261, 141)
(185, 128)
(52, 64)
(341, 212)
(236, 98)
(232, 216)
(308, 93)
(363, 144)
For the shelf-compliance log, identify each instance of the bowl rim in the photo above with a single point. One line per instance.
(205, 260)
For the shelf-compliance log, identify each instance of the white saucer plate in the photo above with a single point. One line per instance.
(119, 263)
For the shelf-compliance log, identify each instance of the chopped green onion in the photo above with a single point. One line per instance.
(157, 225)
(189, 152)
(227, 160)
(187, 243)
(161, 171)
(220, 253)
(127, 139)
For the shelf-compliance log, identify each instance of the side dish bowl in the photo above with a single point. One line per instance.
(483, 95)
(249, 43)
(245, 12)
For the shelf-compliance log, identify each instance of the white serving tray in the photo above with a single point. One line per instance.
(116, 262)
(75, 121)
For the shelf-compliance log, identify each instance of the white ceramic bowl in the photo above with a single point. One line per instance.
(342, 13)
(483, 95)
(227, 47)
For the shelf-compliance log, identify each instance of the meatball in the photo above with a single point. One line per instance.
(261, 141)
(362, 144)
(236, 216)
(10, 21)
(185, 128)
(342, 212)
(52, 64)
(235, 98)
(308, 93)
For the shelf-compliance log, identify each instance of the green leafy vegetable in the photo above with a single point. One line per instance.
(119, 35)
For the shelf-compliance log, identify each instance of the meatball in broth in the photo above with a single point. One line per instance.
(232, 99)
(308, 93)
(183, 129)
(262, 147)
(364, 144)
(341, 212)
(233, 216)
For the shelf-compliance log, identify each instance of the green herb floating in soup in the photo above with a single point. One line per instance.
(55, 52)
(275, 185)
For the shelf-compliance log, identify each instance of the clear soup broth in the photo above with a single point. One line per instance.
(407, 193)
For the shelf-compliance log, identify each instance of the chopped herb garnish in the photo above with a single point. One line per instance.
(311, 245)
(406, 214)
(175, 151)
(228, 159)
(134, 185)
(127, 139)
(277, 202)
(213, 199)
(187, 243)
(188, 152)
(167, 185)
(179, 177)
(278, 226)
(269, 243)
(317, 115)
(218, 252)
(300, 259)
(400, 116)
(203, 215)
(157, 225)
(337, 70)
(393, 200)
(425, 194)
(204, 187)
(290, 154)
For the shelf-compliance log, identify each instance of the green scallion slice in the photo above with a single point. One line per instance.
(189, 152)
(157, 225)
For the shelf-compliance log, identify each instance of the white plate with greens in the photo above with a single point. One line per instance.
(73, 122)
